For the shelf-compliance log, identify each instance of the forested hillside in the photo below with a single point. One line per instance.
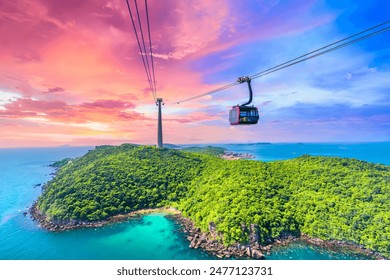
(111, 180)
(329, 198)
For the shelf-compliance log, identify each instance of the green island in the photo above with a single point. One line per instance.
(228, 202)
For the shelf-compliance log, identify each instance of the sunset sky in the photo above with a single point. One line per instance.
(71, 72)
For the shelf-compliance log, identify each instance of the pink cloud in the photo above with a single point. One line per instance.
(55, 89)
(59, 111)
(77, 63)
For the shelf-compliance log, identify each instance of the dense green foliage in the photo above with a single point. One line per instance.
(329, 198)
(111, 180)
(61, 163)
(208, 150)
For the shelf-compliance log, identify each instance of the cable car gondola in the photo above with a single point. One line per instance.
(244, 114)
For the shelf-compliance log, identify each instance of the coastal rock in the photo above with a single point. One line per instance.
(266, 248)
(194, 241)
(198, 240)
(249, 251)
(257, 254)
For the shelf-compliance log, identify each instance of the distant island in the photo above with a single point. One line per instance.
(216, 151)
(231, 208)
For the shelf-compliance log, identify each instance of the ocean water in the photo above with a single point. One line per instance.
(371, 152)
(151, 236)
(302, 251)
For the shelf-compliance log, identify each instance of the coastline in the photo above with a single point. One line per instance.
(228, 155)
(253, 250)
(208, 242)
(70, 225)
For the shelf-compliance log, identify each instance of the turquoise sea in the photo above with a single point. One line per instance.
(371, 152)
(149, 237)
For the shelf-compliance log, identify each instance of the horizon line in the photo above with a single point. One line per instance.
(201, 144)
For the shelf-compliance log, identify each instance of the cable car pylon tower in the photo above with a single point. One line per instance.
(160, 144)
(146, 56)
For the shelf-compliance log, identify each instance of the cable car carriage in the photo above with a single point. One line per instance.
(244, 114)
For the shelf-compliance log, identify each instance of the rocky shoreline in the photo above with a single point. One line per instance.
(253, 250)
(209, 242)
(337, 245)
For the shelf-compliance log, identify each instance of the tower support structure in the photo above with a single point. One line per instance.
(159, 102)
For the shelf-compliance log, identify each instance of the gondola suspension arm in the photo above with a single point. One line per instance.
(247, 80)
